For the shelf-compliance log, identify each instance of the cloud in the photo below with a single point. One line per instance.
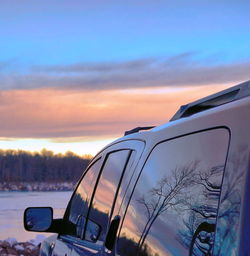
(4, 65)
(97, 67)
(95, 99)
(180, 70)
(49, 113)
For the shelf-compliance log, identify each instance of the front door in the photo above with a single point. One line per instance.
(118, 162)
(77, 211)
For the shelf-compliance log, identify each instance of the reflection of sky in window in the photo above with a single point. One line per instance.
(109, 180)
(84, 192)
(104, 195)
(209, 150)
(157, 247)
(214, 148)
(165, 235)
(88, 181)
(129, 173)
(127, 179)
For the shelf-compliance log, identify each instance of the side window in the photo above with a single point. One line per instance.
(79, 204)
(105, 193)
(173, 209)
(119, 207)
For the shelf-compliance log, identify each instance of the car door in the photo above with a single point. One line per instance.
(118, 163)
(77, 209)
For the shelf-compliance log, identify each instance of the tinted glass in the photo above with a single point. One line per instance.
(124, 185)
(106, 191)
(80, 202)
(174, 207)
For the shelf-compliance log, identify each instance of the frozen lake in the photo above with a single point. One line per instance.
(13, 204)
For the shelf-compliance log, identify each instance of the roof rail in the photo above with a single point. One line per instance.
(137, 129)
(231, 94)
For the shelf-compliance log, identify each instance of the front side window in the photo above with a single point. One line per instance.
(79, 203)
(173, 209)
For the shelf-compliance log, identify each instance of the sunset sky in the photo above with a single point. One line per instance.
(76, 74)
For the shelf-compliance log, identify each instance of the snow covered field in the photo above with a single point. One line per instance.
(13, 204)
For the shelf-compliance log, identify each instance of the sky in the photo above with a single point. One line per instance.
(76, 74)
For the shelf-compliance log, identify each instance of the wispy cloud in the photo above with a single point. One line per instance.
(94, 99)
(98, 67)
(180, 70)
(4, 65)
(44, 113)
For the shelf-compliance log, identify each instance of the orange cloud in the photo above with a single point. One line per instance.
(50, 113)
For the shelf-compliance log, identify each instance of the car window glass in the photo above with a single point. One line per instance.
(105, 193)
(173, 209)
(79, 204)
(124, 184)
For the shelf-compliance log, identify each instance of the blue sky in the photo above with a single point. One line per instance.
(66, 32)
(69, 69)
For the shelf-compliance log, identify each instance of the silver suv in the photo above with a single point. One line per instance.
(178, 189)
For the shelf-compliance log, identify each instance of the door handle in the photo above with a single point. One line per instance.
(112, 232)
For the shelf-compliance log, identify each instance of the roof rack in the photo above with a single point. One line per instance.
(137, 129)
(232, 94)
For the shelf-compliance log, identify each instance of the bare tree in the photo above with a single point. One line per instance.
(198, 234)
(164, 196)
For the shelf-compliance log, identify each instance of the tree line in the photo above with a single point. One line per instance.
(44, 166)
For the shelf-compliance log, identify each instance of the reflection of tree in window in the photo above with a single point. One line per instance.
(198, 231)
(174, 193)
(165, 195)
(174, 205)
(229, 213)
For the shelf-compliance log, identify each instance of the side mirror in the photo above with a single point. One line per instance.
(38, 219)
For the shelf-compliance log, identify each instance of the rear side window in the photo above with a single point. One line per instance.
(173, 209)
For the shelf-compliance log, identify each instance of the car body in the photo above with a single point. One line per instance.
(178, 189)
